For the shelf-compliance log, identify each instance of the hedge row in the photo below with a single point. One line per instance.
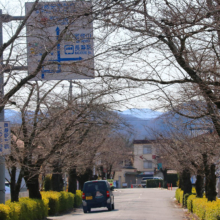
(78, 199)
(25, 209)
(58, 201)
(200, 206)
(154, 183)
(52, 203)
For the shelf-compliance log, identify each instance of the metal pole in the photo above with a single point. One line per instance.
(71, 92)
(2, 159)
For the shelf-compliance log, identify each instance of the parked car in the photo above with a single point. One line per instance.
(96, 194)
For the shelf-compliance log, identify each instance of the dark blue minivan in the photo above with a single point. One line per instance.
(96, 194)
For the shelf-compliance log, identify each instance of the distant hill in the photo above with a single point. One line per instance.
(139, 120)
(141, 113)
(13, 116)
(149, 124)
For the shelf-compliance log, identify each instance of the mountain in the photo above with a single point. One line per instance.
(138, 121)
(13, 116)
(149, 124)
(142, 113)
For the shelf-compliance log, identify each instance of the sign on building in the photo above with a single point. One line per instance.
(64, 30)
(5, 138)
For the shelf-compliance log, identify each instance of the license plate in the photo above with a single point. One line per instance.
(88, 197)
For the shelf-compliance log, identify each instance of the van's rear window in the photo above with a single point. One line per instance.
(94, 186)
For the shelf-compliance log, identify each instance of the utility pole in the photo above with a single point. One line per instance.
(4, 18)
(2, 159)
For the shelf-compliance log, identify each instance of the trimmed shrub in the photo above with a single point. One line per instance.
(190, 202)
(66, 201)
(4, 212)
(53, 201)
(58, 202)
(213, 210)
(194, 190)
(179, 196)
(36, 209)
(199, 207)
(185, 199)
(78, 199)
(27, 209)
(153, 183)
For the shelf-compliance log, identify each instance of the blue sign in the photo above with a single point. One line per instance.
(72, 56)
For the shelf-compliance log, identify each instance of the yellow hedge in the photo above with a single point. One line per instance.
(199, 207)
(35, 209)
(78, 198)
(204, 209)
(190, 202)
(4, 212)
(58, 201)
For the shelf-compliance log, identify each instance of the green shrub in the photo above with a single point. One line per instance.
(53, 201)
(71, 200)
(153, 183)
(199, 207)
(27, 209)
(4, 212)
(190, 202)
(213, 210)
(185, 199)
(78, 199)
(15, 209)
(179, 196)
(58, 201)
(36, 209)
(66, 201)
(194, 190)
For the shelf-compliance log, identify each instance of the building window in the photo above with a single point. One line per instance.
(147, 150)
(148, 164)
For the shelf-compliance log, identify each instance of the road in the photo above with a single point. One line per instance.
(134, 204)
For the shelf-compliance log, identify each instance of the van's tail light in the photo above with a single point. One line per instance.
(83, 196)
(107, 194)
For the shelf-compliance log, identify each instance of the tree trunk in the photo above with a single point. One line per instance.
(33, 186)
(187, 186)
(72, 181)
(210, 183)
(164, 171)
(199, 185)
(14, 192)
(181, 181)
(85, 177)
(57, 180)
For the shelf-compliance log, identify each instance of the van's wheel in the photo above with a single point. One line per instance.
(110, 207)
(113, 206)
(89, 209)
(85, 210)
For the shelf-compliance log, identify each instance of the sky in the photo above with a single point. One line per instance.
(135, 98)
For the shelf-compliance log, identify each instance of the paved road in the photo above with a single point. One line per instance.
(134, 204)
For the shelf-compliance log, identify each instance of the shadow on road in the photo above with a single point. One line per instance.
(98, 211)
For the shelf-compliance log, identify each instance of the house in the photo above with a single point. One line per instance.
(145, 156)
(144, 164)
